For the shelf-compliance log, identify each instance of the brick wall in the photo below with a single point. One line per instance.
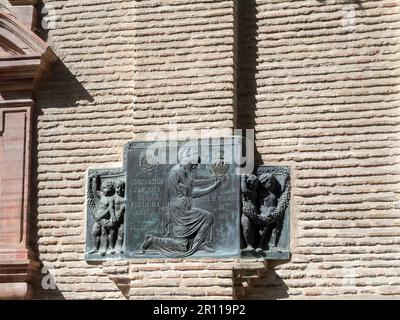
(84, 117)
(184, 64)
(320, 94)
(128, 67)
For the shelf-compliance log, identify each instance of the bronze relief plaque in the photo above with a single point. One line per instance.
(265, 219)
(179, 200)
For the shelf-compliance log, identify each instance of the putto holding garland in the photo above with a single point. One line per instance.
(265, 203)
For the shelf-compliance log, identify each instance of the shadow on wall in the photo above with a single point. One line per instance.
(60, 90)
(43, 17)
(260, 283)
(247, 52)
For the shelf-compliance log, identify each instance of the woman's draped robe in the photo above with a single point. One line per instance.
(185, 229)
